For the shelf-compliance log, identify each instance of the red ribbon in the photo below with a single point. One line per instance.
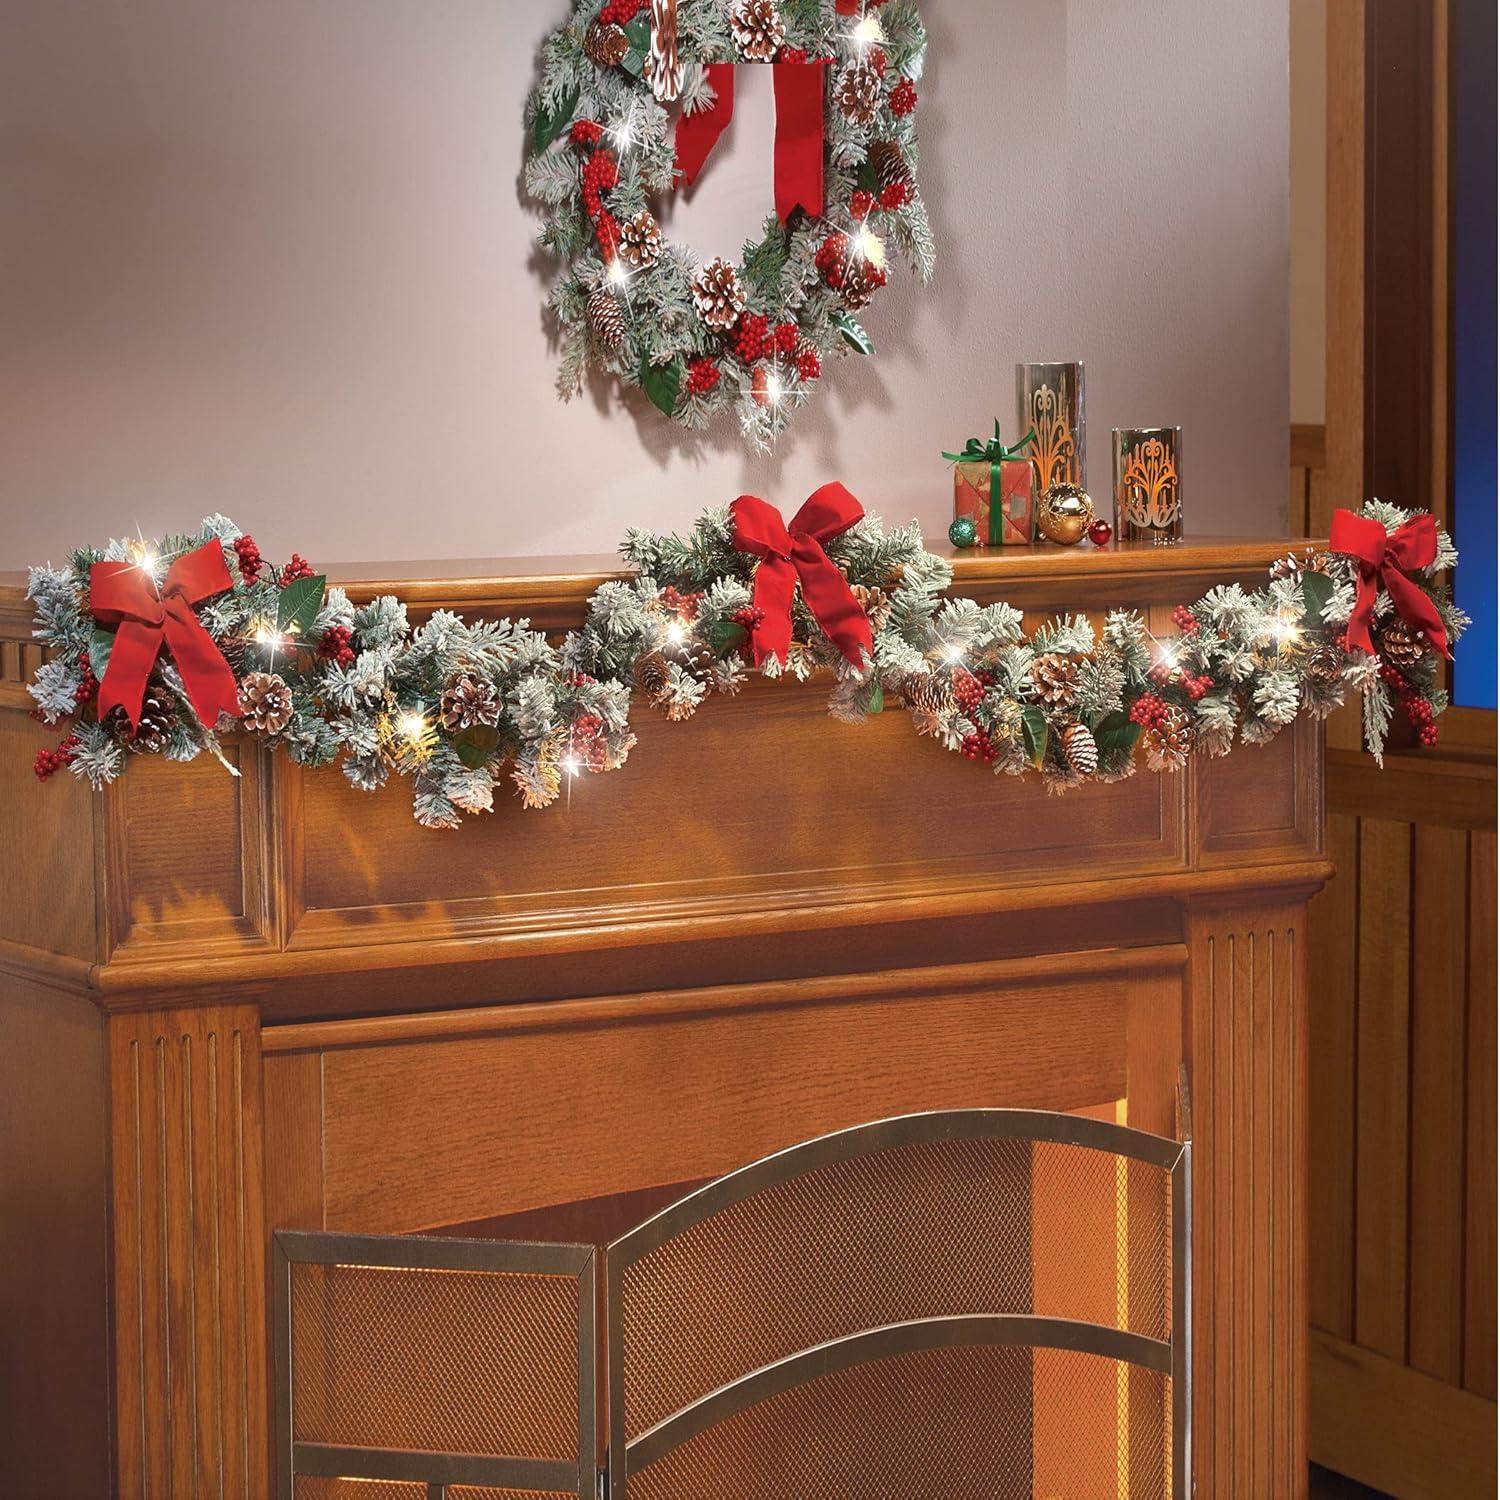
(798, 164)
(794, 553)
(125, 595)
(1387, 559)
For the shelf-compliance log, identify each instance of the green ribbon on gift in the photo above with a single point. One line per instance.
(993, 453)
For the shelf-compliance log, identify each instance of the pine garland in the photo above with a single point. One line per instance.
(366, 689)
(602, 148)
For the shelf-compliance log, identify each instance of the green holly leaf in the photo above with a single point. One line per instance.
(638, 34)
(725, 636)
(874, 695)
(101, 643)
(1116, 735)
(867, 178)
(661, 383)
(852, 333)
(299, 604)
(550, 123)
(1317, 590)
(476, 745)
(1034, 732)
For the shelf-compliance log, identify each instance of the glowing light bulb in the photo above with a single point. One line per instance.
(774, 387)
(571, 764)
(148, 561)
(676, 632)
(617, 273)
(953, 653)
(412, 725)
(868, 247)
(265, 633)
(867, 30)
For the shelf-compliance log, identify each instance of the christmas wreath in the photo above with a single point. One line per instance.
(160, 648)
(633, 95)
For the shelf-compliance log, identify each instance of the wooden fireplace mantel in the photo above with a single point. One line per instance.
(229, 1005)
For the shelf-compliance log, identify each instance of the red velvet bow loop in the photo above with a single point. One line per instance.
(798, 165)
(794, 553)
(1387, 559)
(126, 595)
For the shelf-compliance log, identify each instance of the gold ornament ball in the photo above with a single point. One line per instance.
(1065, 515)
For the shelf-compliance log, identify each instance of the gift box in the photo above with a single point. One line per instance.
(1001, 497)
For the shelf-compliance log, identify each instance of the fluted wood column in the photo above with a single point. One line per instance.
(1247, 1019)
(189, 1252)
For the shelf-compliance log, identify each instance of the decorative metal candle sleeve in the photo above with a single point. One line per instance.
(1051, 399)
(1148, 484)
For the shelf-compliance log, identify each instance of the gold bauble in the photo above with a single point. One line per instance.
(1065, 514)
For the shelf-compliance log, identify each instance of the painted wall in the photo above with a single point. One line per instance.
(271, 259)
(1309, 198)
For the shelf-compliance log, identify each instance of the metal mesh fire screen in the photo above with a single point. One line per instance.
(433, 1364)
(983, 1302)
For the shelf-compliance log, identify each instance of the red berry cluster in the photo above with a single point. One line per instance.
(748, 615)
(50, 762)
(88, 686)
(786, 336)
(1391, 676)
(809, 364)
(1419, 711)
(600, 173)
(832, 259)
(586, 133)
(969, 689)
(877, 60)
(337, 646)
(752, 339)
(249, 557)
(792, 55)
(979, 746)
(299, 567)
(621, 12)
(894, 196)
(578, 679)
(1185, 620)
(586, 741)
(702, 376)
(607, 234)
(903, 97)
(1150, 711)
(860, 203)
(1196, 687)
(684, 606)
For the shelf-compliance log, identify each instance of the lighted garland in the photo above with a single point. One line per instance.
(462, 707)
(705, 336)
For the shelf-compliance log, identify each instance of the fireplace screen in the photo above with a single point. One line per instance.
(986, 1302)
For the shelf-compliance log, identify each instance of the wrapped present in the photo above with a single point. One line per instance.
(996, 485)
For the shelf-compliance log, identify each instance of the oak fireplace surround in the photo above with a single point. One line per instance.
(232, 1006)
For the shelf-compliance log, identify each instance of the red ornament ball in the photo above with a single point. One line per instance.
(1101, 533)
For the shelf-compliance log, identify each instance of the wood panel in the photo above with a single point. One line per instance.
(54, 1244)
(189, 1252)
(532, 1105)
(1403, 1107)
(1248, 1080)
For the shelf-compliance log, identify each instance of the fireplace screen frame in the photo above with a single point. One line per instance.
(1171, 1357)
(604, 1468)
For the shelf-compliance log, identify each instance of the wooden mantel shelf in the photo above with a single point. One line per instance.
(231, 1004)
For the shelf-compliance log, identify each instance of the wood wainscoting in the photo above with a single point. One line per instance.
(1401, 1129)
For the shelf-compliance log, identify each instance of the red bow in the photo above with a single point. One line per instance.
(126, 595)
(1383, 559)
(799, 133)
(790, 553)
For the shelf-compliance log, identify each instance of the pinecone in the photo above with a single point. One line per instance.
(265, 703)
(860, 285)
(605, 43)
(651, 674)
(876, 604)
(664, 70)
(1079, 750)
(606, 317)
(1292, 566)
(929, 700)
(718, 295)
(890, 164)
(1167, 744)
(1055, 678)
(758, 29)
(1401, 645)
(468, 700)
(857, 93)
(695, 656)
(1324, 664)
(640, 242)
(153, 724)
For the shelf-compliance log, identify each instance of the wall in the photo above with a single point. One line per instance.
(1309, 221)
(271, 259)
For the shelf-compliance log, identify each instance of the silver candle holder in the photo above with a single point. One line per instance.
(1148, 484)
(1051, 401)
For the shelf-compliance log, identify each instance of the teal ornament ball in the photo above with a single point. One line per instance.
(963, 532)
